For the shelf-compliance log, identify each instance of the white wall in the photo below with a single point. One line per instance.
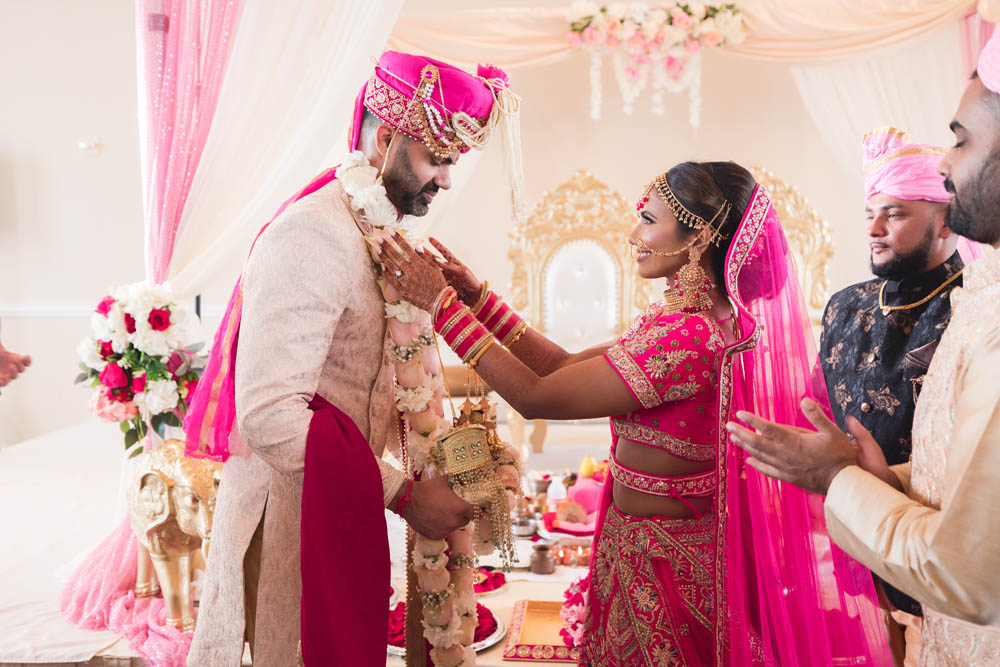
(71, 227)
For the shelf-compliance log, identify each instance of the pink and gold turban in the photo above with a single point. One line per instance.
(445, 108)
(988, 67)
(896, 166)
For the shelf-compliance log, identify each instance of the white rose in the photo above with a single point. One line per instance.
(373, 201)
(708, 25)
(657, 17)
(353, 159)
(153, 343)
(160, 396)
(355, 179)
(696, 9)
(650, 29)
(87, 351)
(637, 12)
(413, 400)
(616, 10)
(672, 36)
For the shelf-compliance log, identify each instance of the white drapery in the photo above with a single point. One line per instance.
(283, 113)
(913, 86)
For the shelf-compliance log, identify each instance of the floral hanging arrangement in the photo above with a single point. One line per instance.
(652, 46)
(140, 360)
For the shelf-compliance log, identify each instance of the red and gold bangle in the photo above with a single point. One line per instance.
(484, 292)
(476, 354)
(405, 498)
(443, 300)
(514, 335)
(501, 320)
(461, 331)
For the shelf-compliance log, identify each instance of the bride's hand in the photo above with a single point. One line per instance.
(457, 274)
(415, 276)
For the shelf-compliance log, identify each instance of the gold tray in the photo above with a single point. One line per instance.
(534, 634)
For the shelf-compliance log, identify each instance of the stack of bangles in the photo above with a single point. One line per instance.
(471, 331)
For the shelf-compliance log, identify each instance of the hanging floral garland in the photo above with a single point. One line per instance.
(658, 46)
(444, 568)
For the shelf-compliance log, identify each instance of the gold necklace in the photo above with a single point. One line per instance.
(888, 309)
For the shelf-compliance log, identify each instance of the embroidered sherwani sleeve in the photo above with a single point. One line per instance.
(946, 558)
(292, 301)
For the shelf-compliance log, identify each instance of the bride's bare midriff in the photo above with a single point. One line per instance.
(657, 462)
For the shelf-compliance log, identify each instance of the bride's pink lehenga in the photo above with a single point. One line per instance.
(755, 580)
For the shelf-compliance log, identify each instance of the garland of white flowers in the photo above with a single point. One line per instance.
(449, 602)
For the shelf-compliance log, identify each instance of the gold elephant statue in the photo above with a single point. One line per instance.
(171, 503)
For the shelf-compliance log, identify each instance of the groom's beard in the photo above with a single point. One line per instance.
(973, 209)
(404, 189)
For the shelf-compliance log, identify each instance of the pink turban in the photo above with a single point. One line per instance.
(989, 63)
(895, 166)
(429, 100)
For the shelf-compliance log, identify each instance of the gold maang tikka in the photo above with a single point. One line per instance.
(688, 290)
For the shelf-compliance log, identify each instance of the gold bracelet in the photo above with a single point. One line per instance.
(515, 335)
(471, 352)
(484, 293)
(438, 305)
(475, 360)
(452, 321)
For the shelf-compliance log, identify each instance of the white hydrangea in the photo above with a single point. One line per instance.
(404, 311)
(657, 17)
(637, 12)
(376, 205)
(89, 354)
(697, 10)
(159, 396)
(616, 10)
(353, 159)
(153, 343)
(708, 25)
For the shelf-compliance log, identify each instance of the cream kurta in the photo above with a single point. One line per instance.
(313, 323)
(940, 542)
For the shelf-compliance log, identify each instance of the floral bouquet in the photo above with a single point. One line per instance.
(140, 360)
(574, 611)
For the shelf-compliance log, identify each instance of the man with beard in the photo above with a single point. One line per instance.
(929, 527)
(302, 358)
(879, 335)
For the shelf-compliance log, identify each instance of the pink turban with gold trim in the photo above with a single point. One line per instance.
(900, 168)
(446, 109)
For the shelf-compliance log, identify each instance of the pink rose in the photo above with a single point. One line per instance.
(403, 332)
(612, 42)
(680, 19)
(712, 38)
(159, 319)
(632, 72)
(692, 46)
(104, 307)
(129, 323)
(410, 373)
(106, 350)
(113, 377)
(574, 39)
(138, 384)
(424, 422)
(637, 41)
(591, 35)
(432, 365)
(431, 580)
(109, 410)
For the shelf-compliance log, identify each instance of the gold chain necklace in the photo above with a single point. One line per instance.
(888, 309)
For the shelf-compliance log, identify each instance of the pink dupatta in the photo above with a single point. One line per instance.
(212, 409)
(788, 594)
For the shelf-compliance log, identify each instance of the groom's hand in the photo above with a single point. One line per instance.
(436, 511)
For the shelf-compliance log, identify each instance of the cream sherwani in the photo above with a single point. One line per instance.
(313, 322)
(940, 541)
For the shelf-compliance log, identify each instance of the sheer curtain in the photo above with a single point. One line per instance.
(182, 48)
(286, 102)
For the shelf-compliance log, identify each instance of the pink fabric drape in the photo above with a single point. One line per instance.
(99, 597)
(975, 33)
(183, 46)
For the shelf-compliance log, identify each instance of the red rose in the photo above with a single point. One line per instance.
(159, 319)
(191, 386)
(106, 350)
(129, 323)
(174, 362)
(113, 377)
(120, 395)
(104, 306)
(139, 384)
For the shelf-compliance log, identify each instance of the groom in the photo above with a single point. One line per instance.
(309, 332)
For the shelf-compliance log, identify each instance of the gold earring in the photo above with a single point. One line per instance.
(690, 285)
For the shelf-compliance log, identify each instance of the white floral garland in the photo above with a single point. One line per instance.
(450, 618)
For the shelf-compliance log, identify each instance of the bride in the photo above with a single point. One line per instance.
(698, 559)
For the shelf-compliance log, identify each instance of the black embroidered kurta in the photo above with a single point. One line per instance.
(874, 363)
